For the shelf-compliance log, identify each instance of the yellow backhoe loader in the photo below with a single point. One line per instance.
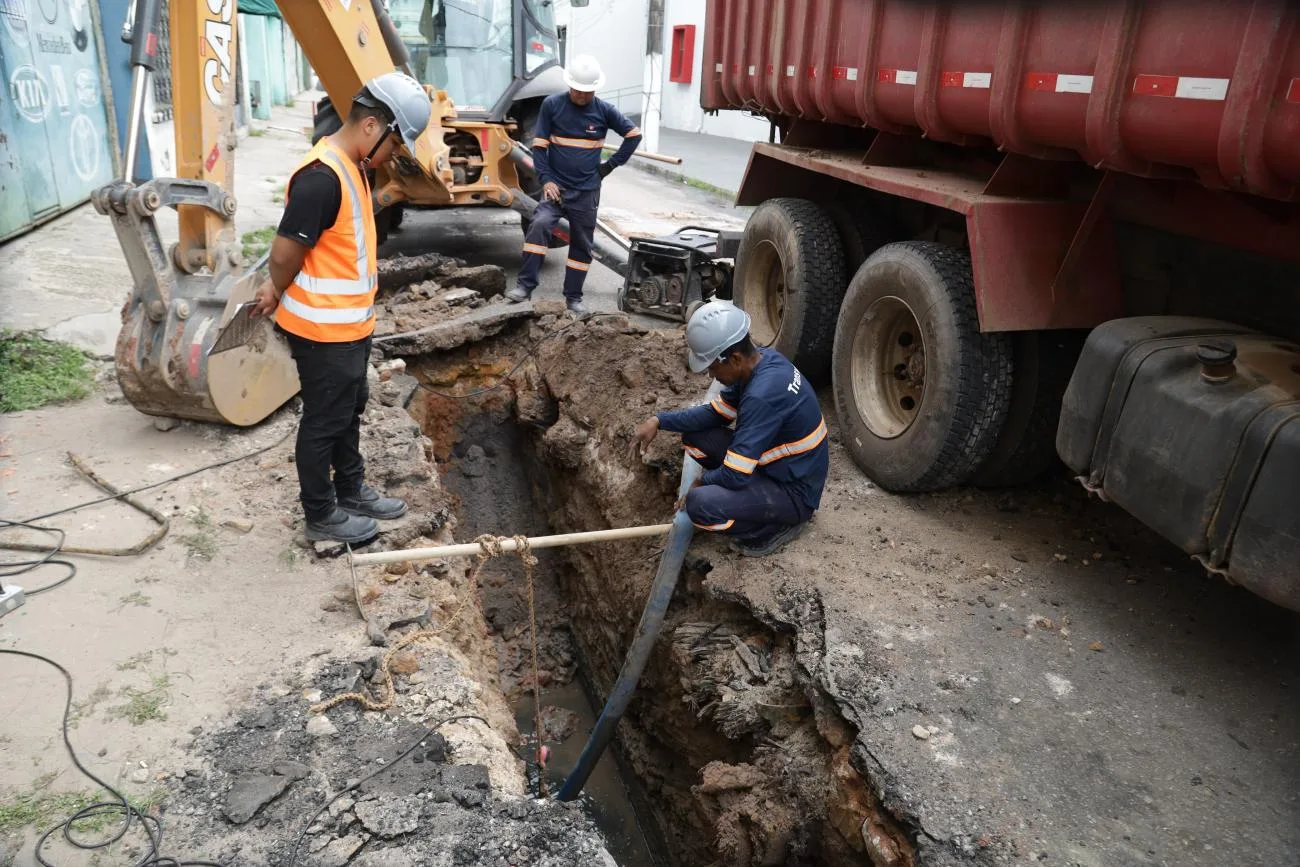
(185, 294)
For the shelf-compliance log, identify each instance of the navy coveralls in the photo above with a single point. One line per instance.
(769, 472)
(566, 151)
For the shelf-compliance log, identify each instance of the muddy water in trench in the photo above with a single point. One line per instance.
(490, 476)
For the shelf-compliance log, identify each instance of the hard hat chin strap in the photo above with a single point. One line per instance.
(388, 130)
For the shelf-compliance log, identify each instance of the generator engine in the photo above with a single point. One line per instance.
(670, 276)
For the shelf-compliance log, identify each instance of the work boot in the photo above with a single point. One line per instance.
(369, 504)
(340, 526)
(770, 545)
(516, 295)
(575, 306)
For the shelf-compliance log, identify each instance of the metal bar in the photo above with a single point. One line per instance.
(139, 82)
(468, 548)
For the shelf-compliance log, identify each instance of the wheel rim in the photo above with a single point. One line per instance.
(888, 367)
(764, 293)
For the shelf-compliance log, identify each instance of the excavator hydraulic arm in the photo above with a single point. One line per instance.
(184, 294)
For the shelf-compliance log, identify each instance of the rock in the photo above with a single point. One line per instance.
(342, 805)
(239, 525)
(328, 548)
(165, 424)
(485, 280)
(398, 391)
(321, 727)
(265, 718)
(140, 775)
(292, 770)
(459, 296)
(339, 852)
(1015, 700)
(632, 374)
(252, 792)
(558, 724)
(722, 777)
(921, 732)
(311, 695)
(389, 817)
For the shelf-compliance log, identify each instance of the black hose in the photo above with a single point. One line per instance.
(647, 633)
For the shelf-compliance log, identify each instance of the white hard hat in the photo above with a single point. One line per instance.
(406, 100)
(713, 328)
(584, 74)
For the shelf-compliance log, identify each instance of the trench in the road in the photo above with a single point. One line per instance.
(728, 754)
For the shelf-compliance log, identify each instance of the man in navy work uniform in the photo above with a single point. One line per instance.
(567, 140)
(763, 480)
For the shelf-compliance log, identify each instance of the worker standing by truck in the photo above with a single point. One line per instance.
(762, 481)
(324, 273)
(567, 142)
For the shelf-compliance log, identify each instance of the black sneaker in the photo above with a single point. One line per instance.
(770, 545)
(340, 526)
(368, 503)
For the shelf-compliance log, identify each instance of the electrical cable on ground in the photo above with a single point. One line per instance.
(302, 835)
(152, 827)
(167, 481)
(50, 558)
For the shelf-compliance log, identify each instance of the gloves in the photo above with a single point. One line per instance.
(605, 169)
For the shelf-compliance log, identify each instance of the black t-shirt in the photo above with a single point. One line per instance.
(313, 206)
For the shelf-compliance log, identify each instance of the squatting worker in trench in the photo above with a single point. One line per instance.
(567, 142)
(762, 480)
(322, 292)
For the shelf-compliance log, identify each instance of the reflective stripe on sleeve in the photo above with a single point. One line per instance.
(633, 132)
(722, 408)
(798, 447)
(739, 463)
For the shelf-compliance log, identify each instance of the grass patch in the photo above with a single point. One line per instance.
(256, 132)
(289, 559)
(35, 372)
(278, 195)
(138, 599)
(86, 707)
(43, 810)
(257, 242)
(146, 705)
(201, 545)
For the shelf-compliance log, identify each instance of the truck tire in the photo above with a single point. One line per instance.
(790, 279)
(921, 394)
(1042, 364)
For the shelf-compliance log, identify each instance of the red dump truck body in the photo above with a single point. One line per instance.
(958, 190)
(1154, 89)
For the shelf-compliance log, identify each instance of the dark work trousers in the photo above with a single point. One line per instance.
(334, 394)
(580, 207)
(753, 513)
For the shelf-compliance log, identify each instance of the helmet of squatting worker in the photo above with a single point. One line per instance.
(406, 101)
(712, 329)
(584, 74)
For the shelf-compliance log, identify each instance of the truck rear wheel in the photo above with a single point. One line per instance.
(790, 280)
(1026, 447)
(921, 393)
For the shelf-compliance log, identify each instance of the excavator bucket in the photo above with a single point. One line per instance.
(165, 363)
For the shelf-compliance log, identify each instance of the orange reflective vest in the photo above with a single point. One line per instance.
(332, 300)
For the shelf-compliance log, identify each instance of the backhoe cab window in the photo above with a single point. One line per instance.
(466, 47)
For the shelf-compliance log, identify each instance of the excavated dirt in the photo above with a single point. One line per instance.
(737, 763)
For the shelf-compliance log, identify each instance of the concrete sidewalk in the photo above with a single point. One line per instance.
(710, 162)
(69, 279)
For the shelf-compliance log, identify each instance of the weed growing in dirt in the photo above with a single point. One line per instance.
(138, 599)
(86, 707)
(289, 559)
(35, 371)
(255, 132)
(143, 706)
(257, 242)
(278, 195)
(40, 809)
(201, 545)
(140, 660)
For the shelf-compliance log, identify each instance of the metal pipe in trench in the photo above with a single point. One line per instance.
(647, 633)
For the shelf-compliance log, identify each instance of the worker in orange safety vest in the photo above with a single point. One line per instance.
(324, 273)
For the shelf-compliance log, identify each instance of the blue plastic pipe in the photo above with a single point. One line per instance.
(647, 632)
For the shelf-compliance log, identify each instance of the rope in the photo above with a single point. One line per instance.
(489, 548)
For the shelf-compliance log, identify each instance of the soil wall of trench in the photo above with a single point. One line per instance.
(743, 758)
